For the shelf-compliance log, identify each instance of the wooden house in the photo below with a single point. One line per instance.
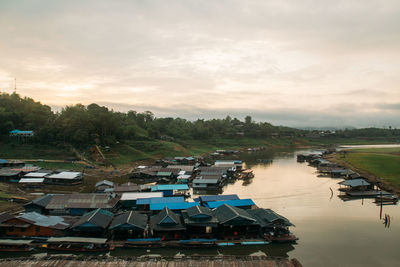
(39, 204)
(80, 203)
(130, 224)
(33, 224)
(94, 223)
(167, 225)
(200, 222)
(235, 223)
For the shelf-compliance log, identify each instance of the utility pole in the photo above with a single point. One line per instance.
(15, 85)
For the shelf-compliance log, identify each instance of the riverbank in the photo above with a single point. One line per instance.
(380, 166)
(150, 261)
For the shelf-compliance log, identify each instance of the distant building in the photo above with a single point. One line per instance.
(19, 133)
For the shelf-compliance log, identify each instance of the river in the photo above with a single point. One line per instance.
(331, 232)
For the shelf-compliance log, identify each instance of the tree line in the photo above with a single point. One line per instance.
(83, 125)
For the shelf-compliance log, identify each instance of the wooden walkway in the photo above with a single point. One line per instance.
(203, 261)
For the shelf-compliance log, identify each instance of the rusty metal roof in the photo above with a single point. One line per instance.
(85, 201)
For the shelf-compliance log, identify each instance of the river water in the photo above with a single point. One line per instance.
(331, 232)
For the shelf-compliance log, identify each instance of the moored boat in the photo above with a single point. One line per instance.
(12, 245)
(82, 244)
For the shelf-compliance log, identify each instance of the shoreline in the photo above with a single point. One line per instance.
(381, 182)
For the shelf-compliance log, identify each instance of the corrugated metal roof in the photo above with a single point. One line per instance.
(155, 200)
(218, 197)
(104, 182)
(15, 242)
(162, 187)
(173, 206)
(66, 175)
(267, 217)
(233, 203)
(205, 181)
(36, 174)
(133, 218)
(355, 182)
(166, 220)
(135, 196)
(99, 217)
(72, 239)
(31, 180)
(45, 221)
(82, 200)
(226, 213)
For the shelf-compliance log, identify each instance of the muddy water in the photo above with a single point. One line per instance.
(331, 232)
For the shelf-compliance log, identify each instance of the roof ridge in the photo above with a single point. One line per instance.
(94, 213)
(130, 214)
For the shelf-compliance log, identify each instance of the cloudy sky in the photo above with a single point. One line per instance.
(295, 63)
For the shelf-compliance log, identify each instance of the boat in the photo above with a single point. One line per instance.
(285, 238)
(144, 242)
(200, 242)
(82, 244)
(386, 199)
(246, 174)
(13, 245)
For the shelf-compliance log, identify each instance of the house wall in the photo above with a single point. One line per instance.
(32, 230)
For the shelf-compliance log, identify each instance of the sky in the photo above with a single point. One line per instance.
(294, 63)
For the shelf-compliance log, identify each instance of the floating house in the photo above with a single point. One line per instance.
(130, 224)
(80, 203)
(240, 203)
(356, 185)
(235, 223)
(273, 227)
(177, 207)
(171, 189)
(209, 183)
(189, 169)
(64, 178)
(39, 204)
(9, 175)
(144, 203)
(31, 182)
(128, 200)
(200, 222)
(103, 185)
(210, 198)
(94, 223)
(167, 225)
(33, 224)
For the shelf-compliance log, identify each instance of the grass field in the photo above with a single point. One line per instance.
(33, 151)
(380, 162)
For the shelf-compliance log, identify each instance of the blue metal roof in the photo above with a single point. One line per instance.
(163, 187)
(2, 161)
(156, 200)
(233, 203)
(218, 198)
(18, 131)
(173, 206)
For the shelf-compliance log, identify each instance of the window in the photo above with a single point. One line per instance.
(208, 229)
(37, 229)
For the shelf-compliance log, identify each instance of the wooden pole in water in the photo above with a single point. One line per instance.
(380, 216)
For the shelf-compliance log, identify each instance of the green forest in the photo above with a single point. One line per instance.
(81, 125)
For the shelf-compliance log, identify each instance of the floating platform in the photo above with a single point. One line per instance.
(153, 261)
(367, 194)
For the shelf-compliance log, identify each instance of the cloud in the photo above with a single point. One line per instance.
(207, 57)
